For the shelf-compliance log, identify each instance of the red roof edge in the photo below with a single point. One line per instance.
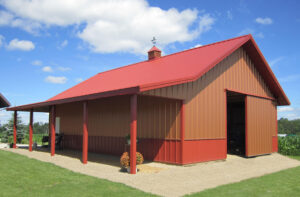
(120, 92)
(3, 101)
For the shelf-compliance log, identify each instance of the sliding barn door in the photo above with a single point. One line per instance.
(260, 125)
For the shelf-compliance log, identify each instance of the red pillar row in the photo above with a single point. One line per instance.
(52, 125)
(85, 134)
(182, 130)
(133, 112)
(30, 129)
(15, 129)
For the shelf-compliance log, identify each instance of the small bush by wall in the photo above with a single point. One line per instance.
(289, 145)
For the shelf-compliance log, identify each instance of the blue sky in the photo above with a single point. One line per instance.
(49, 46)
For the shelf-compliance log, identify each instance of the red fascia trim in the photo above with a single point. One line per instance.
(161, 97)
(125, 91)
(249, 94)
(151, 86)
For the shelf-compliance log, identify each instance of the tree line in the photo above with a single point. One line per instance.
(6, 130)
(286, 126)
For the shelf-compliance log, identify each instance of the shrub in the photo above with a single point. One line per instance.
(289, 145)
(125, 159)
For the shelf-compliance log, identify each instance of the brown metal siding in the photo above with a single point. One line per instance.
(71, 119)
(106, 117)
(158, 118)
(260, 125)
(205, 97)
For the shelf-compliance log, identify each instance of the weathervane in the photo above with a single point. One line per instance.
(153, 41)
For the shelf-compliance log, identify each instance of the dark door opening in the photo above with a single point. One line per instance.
(236, 123)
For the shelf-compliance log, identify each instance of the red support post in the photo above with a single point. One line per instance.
(85, 134)
(182, 130)
(15, 129)
(133, 112)
(30, 129)
(53, 116)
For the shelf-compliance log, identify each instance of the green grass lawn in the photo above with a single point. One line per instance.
(22, 176)
(283, 183)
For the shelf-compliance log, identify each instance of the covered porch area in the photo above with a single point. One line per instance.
(100, 123)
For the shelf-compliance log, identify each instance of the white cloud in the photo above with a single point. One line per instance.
(285, 109)
(1, 40)
(24, 45)
(205, 23)
(47, 69)
(37, 63)
(114, 26)
(264, 21)
(57, 80)
(78, 79)
(229, 14)
(275, 61)
(64, 68)
(197, 45)
(7, 18)
(63, 44)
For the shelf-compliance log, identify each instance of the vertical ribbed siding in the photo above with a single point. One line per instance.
(260, 125)
(158, 118)
(205, 98)
(106, 117)
(71, 119)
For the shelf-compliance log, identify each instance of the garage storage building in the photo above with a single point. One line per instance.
(193, 106)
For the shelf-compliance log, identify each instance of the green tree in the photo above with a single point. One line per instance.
(9, 130)
(289, 126)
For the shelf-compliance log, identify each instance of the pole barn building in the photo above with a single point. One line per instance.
(187, 107)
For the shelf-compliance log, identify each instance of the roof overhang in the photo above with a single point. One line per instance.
(44, 106)
(3, 101)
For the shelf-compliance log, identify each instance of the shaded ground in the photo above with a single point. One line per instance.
(171, 180)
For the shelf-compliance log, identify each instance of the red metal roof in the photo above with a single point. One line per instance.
(172, 69)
